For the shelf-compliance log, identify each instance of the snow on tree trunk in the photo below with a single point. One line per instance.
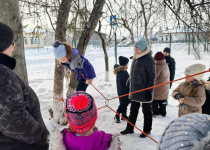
(10, 15)
(86, 35)
(60, 34)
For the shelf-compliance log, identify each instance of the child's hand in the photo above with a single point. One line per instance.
(181, 100)
(89, 81)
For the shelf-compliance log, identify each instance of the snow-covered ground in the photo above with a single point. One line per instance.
(40, 67)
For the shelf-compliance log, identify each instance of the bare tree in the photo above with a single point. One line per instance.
(86, 35)
(10, 15)
(60, 34)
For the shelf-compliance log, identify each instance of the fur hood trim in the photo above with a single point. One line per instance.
(120, 68)
(204, 144)
(205, 84)
(142, 54)
(56, 140)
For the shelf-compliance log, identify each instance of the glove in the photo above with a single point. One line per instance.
(179, 96)
(149, 95)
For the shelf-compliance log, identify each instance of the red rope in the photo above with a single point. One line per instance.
(133, 125)
(158, 85)
(101, 107)
(94, 87)
(61, 99)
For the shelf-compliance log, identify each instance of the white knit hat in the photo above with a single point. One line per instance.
(194, 69)
(59, 50)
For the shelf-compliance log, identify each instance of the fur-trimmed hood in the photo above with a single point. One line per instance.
(205, 84)
(120, 68)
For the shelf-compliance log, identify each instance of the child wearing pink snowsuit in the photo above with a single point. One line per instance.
(81, 113)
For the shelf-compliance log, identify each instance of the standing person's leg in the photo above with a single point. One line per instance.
(134, 110)
(162, 104)
(124, 104)
(155, 108)
(119, 110)
(147, 111)
(81, 85)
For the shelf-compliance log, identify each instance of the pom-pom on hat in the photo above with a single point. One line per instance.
(159, 56)
(123, 61)
(59, 50)
(81, 111)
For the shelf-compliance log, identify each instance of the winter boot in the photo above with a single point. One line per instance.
(117, 119)
(124, 115)
(126, 131)
(143, 135)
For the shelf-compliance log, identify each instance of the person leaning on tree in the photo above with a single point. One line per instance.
(142, 76)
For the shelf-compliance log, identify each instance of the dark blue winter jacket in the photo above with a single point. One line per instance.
(80, 64)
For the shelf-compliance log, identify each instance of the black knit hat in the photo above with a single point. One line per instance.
(167, 49)
(6, 36)
(123, 60)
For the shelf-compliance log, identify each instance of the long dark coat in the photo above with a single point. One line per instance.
(142, 76)
(21, 123)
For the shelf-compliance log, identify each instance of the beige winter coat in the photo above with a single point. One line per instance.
(193, 104)
(162, 76)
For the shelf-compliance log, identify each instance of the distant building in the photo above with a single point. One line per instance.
(95, 39)
(33, 39)
(178, 34)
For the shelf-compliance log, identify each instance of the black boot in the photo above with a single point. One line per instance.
(126, 131)
(117, 119)
(124, 115)
(143, 135)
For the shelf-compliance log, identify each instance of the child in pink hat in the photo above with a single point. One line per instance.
(81, 113)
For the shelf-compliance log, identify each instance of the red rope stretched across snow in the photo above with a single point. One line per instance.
(134, 93)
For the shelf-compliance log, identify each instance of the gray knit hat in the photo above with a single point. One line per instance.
(189, 132)
(141, 44)
(59, 50)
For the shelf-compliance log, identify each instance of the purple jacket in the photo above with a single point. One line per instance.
(80, 64)
(99, 140)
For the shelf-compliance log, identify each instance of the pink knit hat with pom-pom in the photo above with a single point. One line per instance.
(81, 111)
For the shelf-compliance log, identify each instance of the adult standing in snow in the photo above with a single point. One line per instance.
(71, 58)
(21, 123)
(160, 93)
(171, 63)
(142, 76)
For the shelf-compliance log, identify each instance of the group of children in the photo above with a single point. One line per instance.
(81, 110)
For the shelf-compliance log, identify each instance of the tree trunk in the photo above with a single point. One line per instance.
(90, 27)
(86, 35)
(10, 15)
(106, 58)
(60, 34)
(145, 23)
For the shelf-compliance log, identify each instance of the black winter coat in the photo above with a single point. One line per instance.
(21, 123)
(142, 76)
(206, 105)
(121, 80)
(171, 65)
